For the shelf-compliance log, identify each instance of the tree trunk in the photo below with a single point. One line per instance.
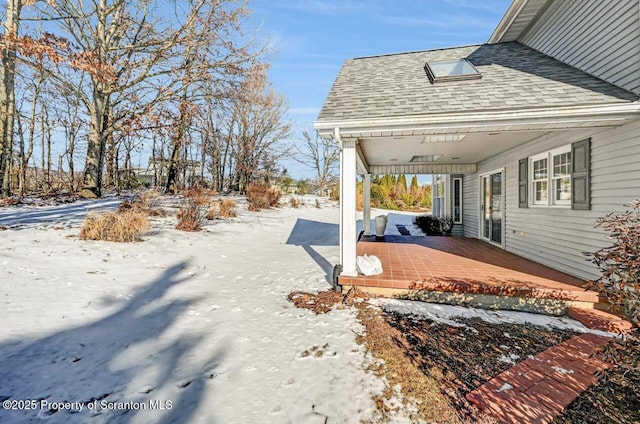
(92, 182)
(7, 95)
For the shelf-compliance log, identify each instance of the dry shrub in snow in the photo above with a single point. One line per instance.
(119, 226)
(620, 263)
(214, 211)
(261, 196)
(294, 203)
(228, 209)
(193, 209)
(222, 209)
(147, 202)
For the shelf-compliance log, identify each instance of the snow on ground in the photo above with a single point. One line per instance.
(447, 314)
(394, 218)
(195, 323)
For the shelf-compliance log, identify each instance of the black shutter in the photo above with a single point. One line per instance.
(581, 175)
(523, 175)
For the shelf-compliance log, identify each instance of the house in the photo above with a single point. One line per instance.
(531, 136)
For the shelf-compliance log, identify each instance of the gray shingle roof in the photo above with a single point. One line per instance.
(513, 77)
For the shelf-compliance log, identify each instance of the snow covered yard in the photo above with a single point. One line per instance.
(183, 327)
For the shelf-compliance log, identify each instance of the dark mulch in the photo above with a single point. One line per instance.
(438, 364)
(464, 358)
(615, 398)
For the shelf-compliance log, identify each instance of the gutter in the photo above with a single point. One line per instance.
(507, 20)
(608, 112)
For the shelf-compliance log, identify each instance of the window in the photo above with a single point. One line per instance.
(551, 185)
(559, 177)
(451, 70)
(457, 200)
(540, 181)
(439, 207)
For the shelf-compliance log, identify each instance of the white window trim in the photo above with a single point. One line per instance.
(532, 186)
(551, 201)
(453, 194)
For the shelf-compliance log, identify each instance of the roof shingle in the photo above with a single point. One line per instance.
(513, 77)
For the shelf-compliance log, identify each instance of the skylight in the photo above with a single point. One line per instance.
(451, 70)
(425, 158)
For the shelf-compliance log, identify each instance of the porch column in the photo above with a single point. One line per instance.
(348, 228)
(366, 208)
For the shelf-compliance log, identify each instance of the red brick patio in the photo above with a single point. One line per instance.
(463, 265)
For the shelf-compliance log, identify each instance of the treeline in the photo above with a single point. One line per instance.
(391, 192)
(90, 89)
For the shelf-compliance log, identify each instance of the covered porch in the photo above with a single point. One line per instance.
(467, 271)
(482, 129)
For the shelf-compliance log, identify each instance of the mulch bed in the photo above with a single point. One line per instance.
(615, 398)
(459, 359)
(467, 357)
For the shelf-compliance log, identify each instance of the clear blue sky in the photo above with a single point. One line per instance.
(311, 39)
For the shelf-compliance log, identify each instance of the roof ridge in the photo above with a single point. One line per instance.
(419, 51)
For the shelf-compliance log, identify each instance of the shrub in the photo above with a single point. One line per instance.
(619, 282)
(228, 209)
(147, 202)
(261, 196)
(434, 226)
(118, 226)
(214, 211)
(193, 209)
(390, 206)
(317, 204)
(222, 209)
(430, 225)
(294, 203)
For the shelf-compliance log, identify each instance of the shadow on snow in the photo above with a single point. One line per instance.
(120, 358)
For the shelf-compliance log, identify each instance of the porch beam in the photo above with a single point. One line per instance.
(348, 228)
(363, 166)
(424, 168)
(366, 207)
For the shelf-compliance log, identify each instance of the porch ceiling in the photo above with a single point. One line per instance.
(472, 148)
(457, 148)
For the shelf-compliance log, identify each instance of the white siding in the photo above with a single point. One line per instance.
(557, 237)
(599, 37)
(470, 205)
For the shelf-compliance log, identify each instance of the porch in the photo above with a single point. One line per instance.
(467, 271)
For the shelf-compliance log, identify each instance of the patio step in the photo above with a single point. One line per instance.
(600, 320)
(457, 270)
(538, 389)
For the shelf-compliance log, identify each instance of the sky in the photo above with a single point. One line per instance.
(311, 40)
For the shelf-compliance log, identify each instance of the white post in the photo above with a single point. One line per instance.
(348, 238)
(366, 208)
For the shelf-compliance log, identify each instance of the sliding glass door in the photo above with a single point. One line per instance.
(491, 207)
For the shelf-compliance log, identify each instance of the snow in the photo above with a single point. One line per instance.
(448, 314)
(183, 327)
(511, 359)
(505, 386)
(393, 218)
(189, 327)
(561, 370)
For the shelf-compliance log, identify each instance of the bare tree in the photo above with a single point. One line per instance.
(319, 154)
(256, 127)
(139, 51)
